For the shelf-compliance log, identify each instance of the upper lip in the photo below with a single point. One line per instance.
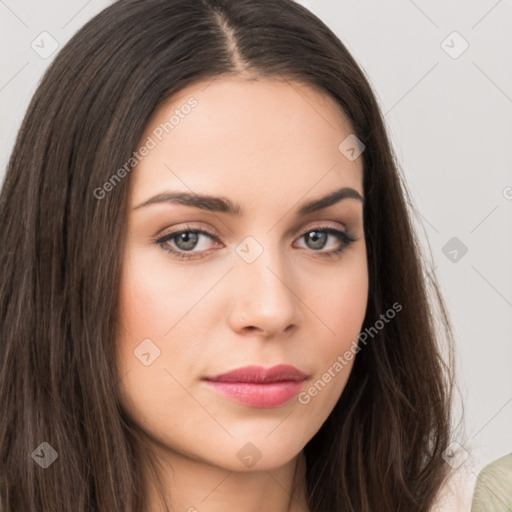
(258, 374)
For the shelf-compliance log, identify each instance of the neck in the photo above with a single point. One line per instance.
(196, 486)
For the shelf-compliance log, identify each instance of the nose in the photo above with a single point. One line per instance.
(265, 297)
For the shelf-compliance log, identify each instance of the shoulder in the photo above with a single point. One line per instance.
(493, 490)
(457, 492)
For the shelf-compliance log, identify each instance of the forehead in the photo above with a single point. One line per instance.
(233, 135)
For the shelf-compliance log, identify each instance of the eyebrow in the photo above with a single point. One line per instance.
(224, 205)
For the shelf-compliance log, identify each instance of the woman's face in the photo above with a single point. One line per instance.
(257, 287)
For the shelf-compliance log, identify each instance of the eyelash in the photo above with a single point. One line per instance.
(344, 237)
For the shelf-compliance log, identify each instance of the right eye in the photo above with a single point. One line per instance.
(184, 241)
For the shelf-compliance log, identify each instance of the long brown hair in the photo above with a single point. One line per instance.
(61, 252)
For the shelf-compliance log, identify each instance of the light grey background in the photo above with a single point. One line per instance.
(448, 115)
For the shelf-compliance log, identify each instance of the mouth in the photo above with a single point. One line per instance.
(259, 387)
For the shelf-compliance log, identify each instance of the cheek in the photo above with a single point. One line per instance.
(159, 335)
(341, 307)
(155, 296)
(340, 303)
(147, 359)
(347, 308)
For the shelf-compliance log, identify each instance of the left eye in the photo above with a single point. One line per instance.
(187, 240)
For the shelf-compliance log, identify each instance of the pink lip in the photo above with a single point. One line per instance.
(259, 387)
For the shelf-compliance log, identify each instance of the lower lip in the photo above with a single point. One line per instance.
(271, 394)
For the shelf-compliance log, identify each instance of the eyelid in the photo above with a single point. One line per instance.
(214, 234)
(185, 228)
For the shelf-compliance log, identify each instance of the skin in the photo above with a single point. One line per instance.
(269, 146)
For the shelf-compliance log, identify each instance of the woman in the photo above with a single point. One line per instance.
(212, 294)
